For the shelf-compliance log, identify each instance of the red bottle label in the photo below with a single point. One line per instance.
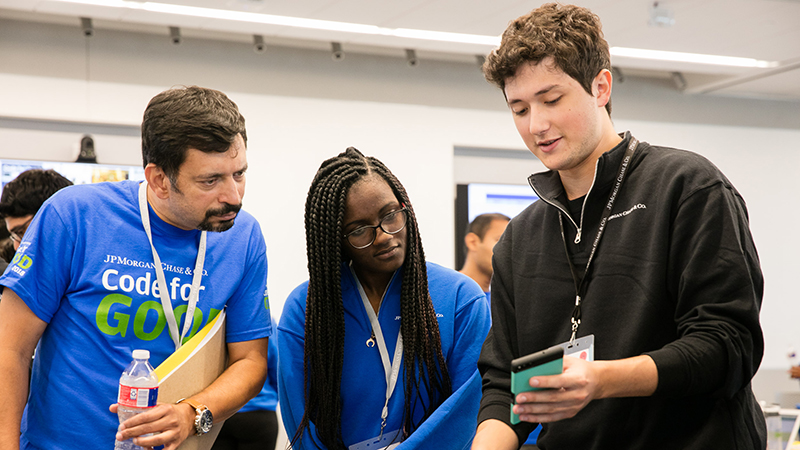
(137, 397)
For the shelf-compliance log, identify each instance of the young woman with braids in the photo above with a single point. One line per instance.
(374, 314)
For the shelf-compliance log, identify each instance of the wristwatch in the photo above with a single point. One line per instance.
(203, 420)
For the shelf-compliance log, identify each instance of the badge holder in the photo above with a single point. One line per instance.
(388, 441)
(582, 348)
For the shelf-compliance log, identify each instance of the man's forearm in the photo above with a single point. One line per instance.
(20, 330)
(563, 396)
(493, 434)
(240, 382)
(630, 377)
(13, 394)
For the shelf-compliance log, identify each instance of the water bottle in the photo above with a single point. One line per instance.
(138, 392)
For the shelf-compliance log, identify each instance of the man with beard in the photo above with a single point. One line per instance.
(107, 268)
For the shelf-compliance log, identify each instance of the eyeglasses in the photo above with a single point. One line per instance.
(19, 231)
(392, 223)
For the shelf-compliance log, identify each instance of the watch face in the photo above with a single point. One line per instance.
(204, 422)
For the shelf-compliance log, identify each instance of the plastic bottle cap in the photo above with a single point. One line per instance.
(141, 354)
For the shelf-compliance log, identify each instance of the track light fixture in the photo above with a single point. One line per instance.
(86, 153)
(175, 35)
(86, 25)
(258, 44)
(660, 16)
(616, 72)
(411, 57)
(679, 80)
(337, 52)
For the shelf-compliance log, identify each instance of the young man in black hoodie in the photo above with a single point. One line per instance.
(645, 248)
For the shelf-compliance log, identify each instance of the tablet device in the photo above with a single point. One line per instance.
(545, 362)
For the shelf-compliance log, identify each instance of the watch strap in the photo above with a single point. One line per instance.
(196, 405)
(199, 409)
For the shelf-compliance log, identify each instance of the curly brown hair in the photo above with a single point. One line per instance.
(571, 35)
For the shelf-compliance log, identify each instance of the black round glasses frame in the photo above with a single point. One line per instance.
(374, 228)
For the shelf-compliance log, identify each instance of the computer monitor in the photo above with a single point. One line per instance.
(78, 173)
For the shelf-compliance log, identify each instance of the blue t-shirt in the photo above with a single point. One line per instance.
(267, 398)
(86, 268)
(463, 324)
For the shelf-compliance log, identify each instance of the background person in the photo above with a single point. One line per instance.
(673, 287)
(482, 234)
(22, 197)
(369, 284)
(6, 251)
(86, 284)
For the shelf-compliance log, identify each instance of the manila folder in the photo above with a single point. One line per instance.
(191, 369)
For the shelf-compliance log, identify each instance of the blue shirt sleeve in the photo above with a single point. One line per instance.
(267, 398)
(452, 426)
(248, 309)
(37, 274)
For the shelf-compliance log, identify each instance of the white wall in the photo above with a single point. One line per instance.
(302, 108)
(288, 139)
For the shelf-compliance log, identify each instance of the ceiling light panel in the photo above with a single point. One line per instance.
(228, 20)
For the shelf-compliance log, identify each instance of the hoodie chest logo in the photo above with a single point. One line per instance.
(625, 213)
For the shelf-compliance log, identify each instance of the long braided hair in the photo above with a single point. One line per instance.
(423, 361)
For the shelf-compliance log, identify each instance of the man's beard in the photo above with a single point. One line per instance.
(206, 224)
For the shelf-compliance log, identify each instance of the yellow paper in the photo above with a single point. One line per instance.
(191, 369)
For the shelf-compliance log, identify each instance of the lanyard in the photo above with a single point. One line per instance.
(163, 290)
(392, 370)
(580, 282)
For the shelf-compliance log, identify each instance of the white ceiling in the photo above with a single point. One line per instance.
(760, 29)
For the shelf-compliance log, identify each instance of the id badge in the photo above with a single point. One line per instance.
(390, 440)
(582, 348)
